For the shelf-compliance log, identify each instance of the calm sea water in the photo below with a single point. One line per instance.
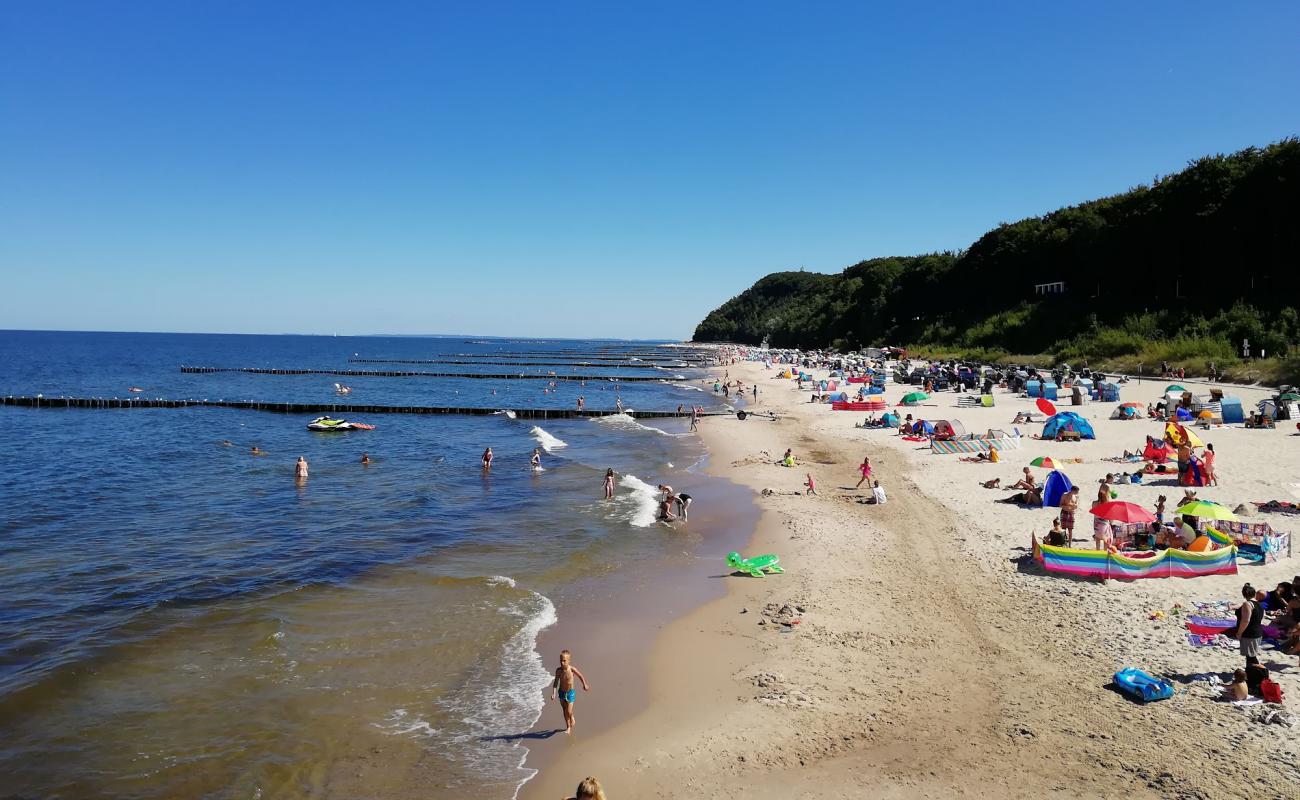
(183, 619)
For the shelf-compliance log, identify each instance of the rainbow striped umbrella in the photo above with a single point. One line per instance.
(1045, 462)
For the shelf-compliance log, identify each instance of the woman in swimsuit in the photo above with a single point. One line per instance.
(536, 460)
(609, 484)
(487, 459)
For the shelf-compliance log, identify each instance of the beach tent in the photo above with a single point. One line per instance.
(951, 430)
(1182, 414)
(1156, 451)
(1231, 410)
(1055, 487)
(1126, 412)
(890, 419)
(837, 397)
(1068, 420)
(1195, 474)
(923, 428)
(1176, 434)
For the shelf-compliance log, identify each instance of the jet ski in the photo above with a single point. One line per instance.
(329, 424)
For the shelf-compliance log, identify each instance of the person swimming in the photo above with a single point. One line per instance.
(365, 459)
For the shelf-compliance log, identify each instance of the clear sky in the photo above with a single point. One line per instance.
(572, 169)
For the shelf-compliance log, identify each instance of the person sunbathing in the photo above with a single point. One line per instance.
(1027, 482)
(996, 483)
(1029, 497)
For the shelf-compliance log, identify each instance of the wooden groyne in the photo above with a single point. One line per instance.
(363, 373)
(323, 408)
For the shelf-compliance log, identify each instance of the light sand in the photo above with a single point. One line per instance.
(931, 660)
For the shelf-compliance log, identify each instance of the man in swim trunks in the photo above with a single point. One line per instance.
(1069, 505)
(563, 684)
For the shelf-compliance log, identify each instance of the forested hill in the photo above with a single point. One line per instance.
(1203, 257)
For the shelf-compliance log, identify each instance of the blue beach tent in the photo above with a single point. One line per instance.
(1055, 487)
(1068, 420)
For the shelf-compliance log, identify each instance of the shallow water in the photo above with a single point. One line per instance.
(182, 618)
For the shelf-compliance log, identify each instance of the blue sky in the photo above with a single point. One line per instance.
(572, 169)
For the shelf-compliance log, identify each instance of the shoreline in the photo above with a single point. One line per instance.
(923, 633)
(612, 625)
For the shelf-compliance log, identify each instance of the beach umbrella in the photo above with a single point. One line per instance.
(1207, 510)
(915, 397)
(1122, 511)
(1045, 406)
(1045, 462)
(1289, 396)
(1206, 414)
(1173, 387)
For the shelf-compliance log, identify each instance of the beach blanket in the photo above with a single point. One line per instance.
(1211, 640)
(1277, 506)
(915, 439)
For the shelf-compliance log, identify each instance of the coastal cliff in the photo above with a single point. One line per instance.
(1182, 269)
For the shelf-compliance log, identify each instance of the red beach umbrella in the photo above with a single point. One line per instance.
(1045, 406)
(1122, 511)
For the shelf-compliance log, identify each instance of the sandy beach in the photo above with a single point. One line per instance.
(913, 650)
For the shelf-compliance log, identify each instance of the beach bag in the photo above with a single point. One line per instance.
(1270, 691)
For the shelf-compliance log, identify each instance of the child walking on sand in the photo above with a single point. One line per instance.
(812, 486)
(563, 683)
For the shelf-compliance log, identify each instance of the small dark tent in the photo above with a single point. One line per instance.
(1055, 487)
(1068, 421)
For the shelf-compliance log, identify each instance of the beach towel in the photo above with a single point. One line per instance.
(1211, 640)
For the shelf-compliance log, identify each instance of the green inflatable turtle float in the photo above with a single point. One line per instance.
(756, 566)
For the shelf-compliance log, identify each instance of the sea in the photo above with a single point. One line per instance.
(183, 618)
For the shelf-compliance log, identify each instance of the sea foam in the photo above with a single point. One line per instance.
(548, 442)
(643, 500)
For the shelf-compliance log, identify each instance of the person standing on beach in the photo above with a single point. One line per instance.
(865, 469)
(563, 684)
(609, 484)
(756, 393)
(811, 484)
(1069, 505)
(1207, 460)
(695, 418)
(300, 469)
(487, 459)
(1250, 618)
